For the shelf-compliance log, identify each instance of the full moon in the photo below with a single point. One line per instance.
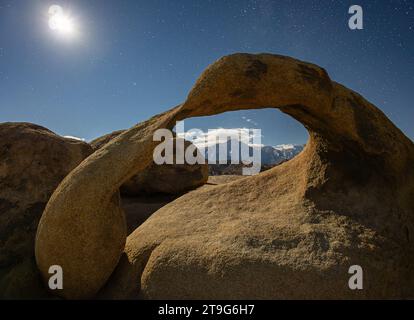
(60, 21)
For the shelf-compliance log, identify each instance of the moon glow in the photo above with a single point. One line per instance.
(61, 22)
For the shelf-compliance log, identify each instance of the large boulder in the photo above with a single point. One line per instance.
(169, 178)
(33, 161)
(290, 232)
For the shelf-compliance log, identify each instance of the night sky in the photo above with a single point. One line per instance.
(130, 60)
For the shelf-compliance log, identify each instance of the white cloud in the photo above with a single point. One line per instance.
(282, 147)
(74, 138)
(213, 136)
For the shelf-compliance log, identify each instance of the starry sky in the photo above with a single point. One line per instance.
(132, 59)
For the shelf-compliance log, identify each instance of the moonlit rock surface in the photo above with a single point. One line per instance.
(290, 232)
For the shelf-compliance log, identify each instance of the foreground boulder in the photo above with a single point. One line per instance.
(170, 179)
(33, 161)
(291, 232)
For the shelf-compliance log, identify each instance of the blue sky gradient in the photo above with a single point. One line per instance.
(134, 59)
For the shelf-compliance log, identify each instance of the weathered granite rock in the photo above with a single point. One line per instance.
(290, 232)
(33, 161)
(172, 179)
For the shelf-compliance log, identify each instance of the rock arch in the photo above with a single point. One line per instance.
(347, 199)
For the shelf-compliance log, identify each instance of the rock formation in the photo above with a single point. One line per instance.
(169, 179)
(101, 141)
(33, 161)
(290, 232)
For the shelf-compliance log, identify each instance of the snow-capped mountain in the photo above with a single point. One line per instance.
(270, 155)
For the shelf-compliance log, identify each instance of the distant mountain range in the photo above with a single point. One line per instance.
(270, 155)
(273, 155)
